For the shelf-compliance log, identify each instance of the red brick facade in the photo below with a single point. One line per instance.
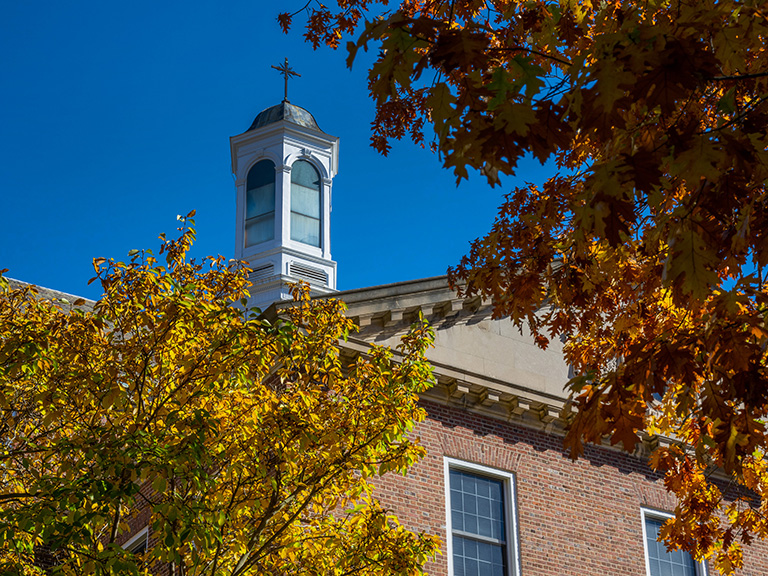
(575, 518)
(138, 520)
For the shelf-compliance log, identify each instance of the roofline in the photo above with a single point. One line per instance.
(393, 289)
(53, 295)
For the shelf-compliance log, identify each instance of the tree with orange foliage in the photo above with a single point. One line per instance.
(647, 250)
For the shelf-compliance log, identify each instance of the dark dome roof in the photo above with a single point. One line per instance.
(284, 111)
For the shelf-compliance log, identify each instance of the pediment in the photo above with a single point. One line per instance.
(480, 362)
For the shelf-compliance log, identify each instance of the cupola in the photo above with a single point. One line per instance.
(284, 166)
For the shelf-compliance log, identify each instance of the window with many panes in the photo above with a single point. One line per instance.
(305, 203)
(658, 560)
(481, 521)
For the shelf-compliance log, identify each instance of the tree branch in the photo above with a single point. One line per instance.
(741, 76)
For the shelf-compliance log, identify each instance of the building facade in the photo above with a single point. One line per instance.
(496, 484)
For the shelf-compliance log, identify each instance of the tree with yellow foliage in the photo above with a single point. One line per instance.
(258, 442)
(647, 251)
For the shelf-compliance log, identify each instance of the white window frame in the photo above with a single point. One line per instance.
(244, 223)
(140, 536)
(322, 216)
(701, 566)
(512, 550)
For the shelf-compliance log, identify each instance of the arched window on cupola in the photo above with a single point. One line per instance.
(260, 203)
(305, 203)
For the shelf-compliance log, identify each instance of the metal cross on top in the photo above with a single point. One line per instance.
(287, 72)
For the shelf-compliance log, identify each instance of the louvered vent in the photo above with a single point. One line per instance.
(308, 273)
(262, 272)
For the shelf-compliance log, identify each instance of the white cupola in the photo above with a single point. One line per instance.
(284, 167)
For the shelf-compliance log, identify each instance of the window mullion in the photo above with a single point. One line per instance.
(479, 537)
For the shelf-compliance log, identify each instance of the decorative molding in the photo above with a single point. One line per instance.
(453, 307)
(395, 316)
(426, 310)
(364, 320)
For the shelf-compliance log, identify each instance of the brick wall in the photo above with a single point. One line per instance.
(575, 518)
(138, 519)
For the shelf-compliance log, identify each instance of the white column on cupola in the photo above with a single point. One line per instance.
(327, 208)
(283, 207)
(284, 167)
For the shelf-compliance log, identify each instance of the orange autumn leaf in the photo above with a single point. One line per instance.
(647, 251)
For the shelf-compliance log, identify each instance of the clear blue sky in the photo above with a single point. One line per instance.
(115, 117)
